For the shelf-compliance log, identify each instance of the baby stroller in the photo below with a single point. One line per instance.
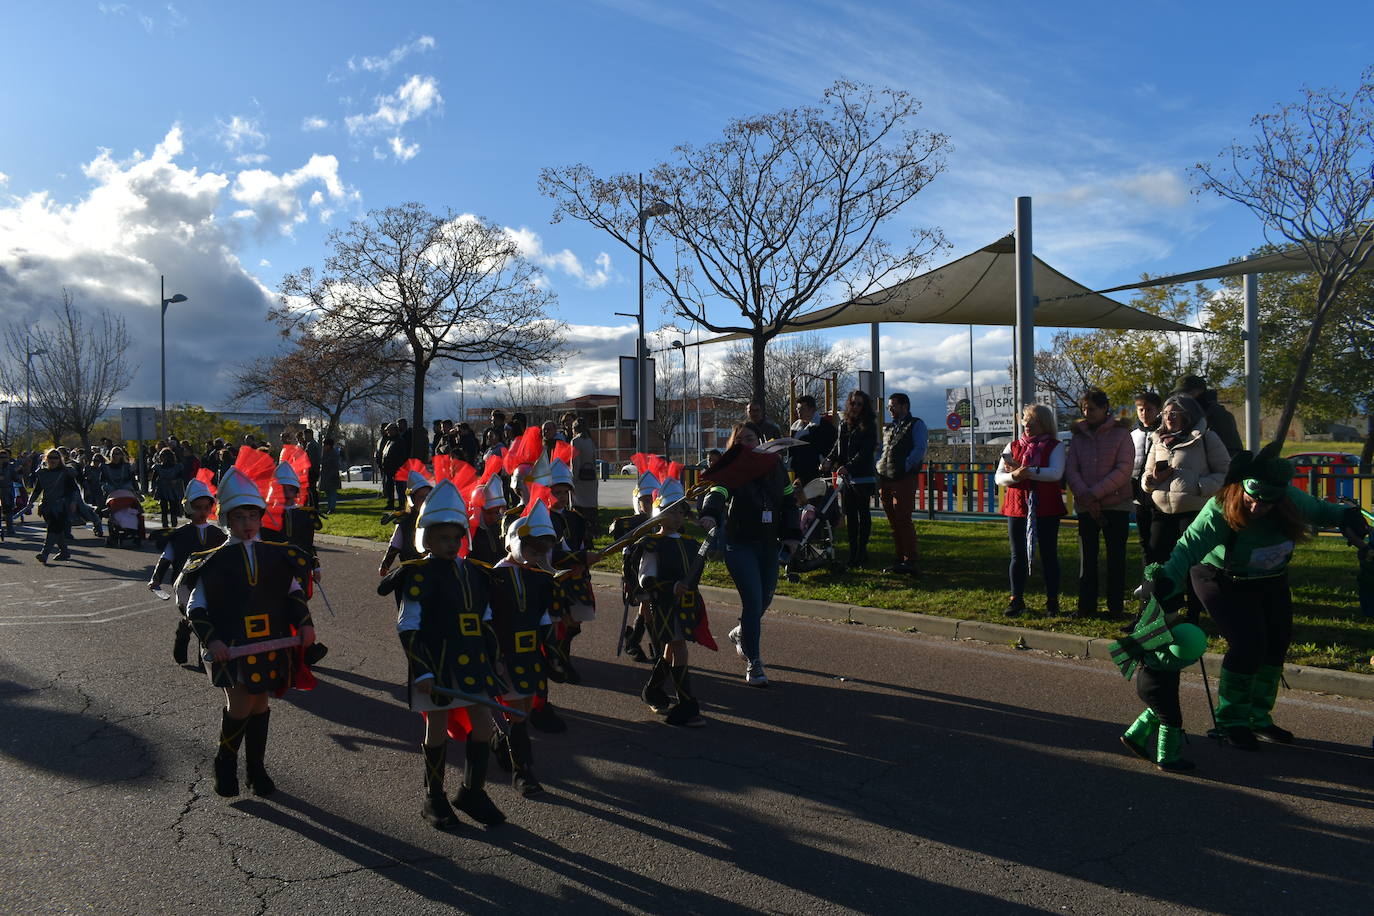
(818, 520)
(125, 512)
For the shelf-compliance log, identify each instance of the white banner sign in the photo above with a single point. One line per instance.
(994, 408)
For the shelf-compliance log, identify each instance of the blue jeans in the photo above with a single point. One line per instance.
(754, 567)
(1046, 545)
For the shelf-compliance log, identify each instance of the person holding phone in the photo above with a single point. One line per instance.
(1186, 465)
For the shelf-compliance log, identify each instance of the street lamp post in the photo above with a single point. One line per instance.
(29, 354)
(657, 208)
(679, 345)
(178, 297)
(462, 397)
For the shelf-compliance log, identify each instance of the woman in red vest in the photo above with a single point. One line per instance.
(1031, 469)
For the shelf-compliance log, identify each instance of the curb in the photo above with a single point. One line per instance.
(1315, 680)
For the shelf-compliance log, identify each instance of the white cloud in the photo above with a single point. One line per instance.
(403, 151)
(239, 133)
(145, 216)
(384, 63)
(274, 199)
(531, 246)
(252, 158)
(417, 96)
(314, 122)
(4, 179)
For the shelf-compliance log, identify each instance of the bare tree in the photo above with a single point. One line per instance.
(321, 375)
(451, 287)
(1309, 176)
(782, 210)
(78, 368)
(799, 356)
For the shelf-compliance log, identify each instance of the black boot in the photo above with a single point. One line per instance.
(522, 761)
(472, 798)
(687, 711)
(254, 750)
(653, 694)
(545, 719)
(182, 641)
(227, 757)
(315, 652)
(436, 809)
(633, 636)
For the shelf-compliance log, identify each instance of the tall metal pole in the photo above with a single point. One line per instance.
(875, 366)
(641, 346)
(683, 346)
(28, 394)
(163, 322)
(1252, 366)
(971, 426)
(1025, 307)
(699, 390)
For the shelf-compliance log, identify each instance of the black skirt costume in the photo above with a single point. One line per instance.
(520, 601)
(572, 594)
(238, 601)
(664, 561)
(298, 527)
(445, 628)
(486, 546)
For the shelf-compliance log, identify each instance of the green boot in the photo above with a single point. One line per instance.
(1140, 737)
(1167, 748)
(1263, 693)
(1233, 709)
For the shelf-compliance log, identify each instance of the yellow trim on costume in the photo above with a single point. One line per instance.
(256, 626)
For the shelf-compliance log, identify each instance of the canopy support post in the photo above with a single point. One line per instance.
(1252, 367)
(1025, 308)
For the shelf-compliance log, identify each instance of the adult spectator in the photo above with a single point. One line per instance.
(585, 479)
(899, 469)
(1219, 419)
(517, 426)
(818, 434)
(118, 474)
(763, 427)
(853, 458)
(437, 438)
(10, 476)
(760, 518)
(467, 443)
(498, 424)
(1098, 471)
(330, 476)
(395, 451)
(551, 434)
(1147, 407)
(105, 445)
(55, 484)
(1031, 468)
(190, 464)
(1185, 466)
(311, 446)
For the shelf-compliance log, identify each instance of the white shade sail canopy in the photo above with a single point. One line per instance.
(980, 288)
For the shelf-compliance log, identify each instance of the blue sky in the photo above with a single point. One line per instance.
(219, 143)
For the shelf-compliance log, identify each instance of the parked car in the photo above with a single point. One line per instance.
(360, 471)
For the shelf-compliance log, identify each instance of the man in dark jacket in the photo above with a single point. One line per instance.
(818, 434)
(899, 467)
(1219, 419)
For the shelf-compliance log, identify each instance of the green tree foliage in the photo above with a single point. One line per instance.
(1124, 362)
(193, 423)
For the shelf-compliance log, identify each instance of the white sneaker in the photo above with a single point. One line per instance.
(733, 636)
(754, 676)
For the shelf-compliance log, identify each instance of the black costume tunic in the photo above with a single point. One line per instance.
(245, 602)
(486, 546)
(664, 562)
(298, 527)
(189, 539)
(521, 598)
(442, 629)
(572, 594)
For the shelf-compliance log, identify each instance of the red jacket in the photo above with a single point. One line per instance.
(1099, 463)
(1049, 498)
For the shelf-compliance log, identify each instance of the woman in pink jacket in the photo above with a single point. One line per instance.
(1098, 470)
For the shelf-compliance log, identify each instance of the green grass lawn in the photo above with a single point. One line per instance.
(965, 577)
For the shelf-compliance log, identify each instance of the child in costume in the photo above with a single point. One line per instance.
(487, 543)
(196, 536)
(630, 592)
(521, 596)
(1156, 651)
(1236, 554)
(245, 592)
(444, 625)
(403, 544)
(676, 609)
(574, 601)
(298, 527)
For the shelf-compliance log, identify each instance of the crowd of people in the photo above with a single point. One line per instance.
(489, 564)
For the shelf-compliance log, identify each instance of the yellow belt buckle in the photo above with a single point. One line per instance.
(256, 626)
(525, 641)
(469, 625)
(687, 599)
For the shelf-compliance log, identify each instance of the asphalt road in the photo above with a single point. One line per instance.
(880, 773)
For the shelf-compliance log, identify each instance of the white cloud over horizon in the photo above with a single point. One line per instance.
(531, 246)
(385, 62)
(417, 97)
